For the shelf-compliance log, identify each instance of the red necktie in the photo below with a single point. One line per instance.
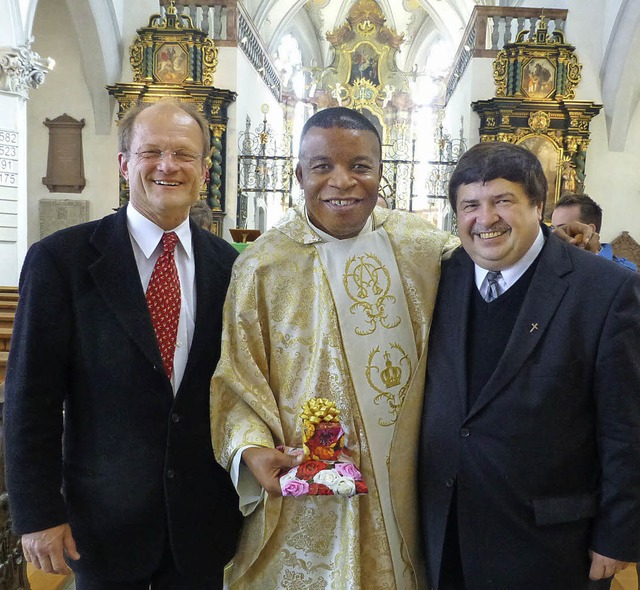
(163, 299)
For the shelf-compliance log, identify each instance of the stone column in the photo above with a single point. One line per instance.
(21, 70)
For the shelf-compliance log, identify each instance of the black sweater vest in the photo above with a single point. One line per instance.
(490, 325)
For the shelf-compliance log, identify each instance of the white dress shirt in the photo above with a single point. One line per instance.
(510, 275)
(146, 239)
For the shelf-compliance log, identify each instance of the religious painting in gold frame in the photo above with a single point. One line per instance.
(171, 63)
(364, 64)
(538, 78)
(550, 156)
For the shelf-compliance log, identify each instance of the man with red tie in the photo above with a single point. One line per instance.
(119, 324)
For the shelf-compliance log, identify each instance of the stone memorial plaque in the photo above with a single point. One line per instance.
(65, 165)
(57, 214)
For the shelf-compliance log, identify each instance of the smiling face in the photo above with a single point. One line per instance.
(497, 223)
(163, 189)
(339, 171)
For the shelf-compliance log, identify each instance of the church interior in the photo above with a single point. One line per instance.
(434, 76)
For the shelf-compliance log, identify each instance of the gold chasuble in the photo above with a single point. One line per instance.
(346, 320)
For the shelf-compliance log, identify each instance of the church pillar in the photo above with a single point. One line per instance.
(21, 71)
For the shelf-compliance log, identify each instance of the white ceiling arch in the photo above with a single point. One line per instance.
(620, 88)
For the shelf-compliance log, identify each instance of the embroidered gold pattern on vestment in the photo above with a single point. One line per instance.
(367, 282)
(387, 381)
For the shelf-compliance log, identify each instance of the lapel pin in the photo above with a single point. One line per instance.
(533, 327)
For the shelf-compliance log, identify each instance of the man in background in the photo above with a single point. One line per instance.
(201, 214)
(119, 323)
(531, 427)
(580, 207)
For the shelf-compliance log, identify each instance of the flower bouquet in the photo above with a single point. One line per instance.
(327, 469)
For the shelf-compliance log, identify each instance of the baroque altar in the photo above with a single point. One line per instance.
(536, 78)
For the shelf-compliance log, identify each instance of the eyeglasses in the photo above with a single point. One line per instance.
(182, 156)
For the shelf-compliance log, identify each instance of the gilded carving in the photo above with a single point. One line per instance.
(541, 68)
(171, 58)
(500, 73)
(569, 177)
(536, 78)
(574, 69)
(209, 61)
(571, 144)
(539, 121)
(136, 56)
(171, 51)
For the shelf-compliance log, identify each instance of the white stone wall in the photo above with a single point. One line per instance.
(65, 91)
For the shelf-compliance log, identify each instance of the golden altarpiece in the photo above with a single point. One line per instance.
(173, 59)
(363, 74)
(536, 77)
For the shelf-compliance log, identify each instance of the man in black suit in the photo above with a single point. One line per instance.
(530, 443)
(125, 487)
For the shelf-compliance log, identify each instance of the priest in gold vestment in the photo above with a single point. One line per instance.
(334, 302)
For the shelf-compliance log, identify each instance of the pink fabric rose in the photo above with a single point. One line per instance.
(348, 470)
(294, 487)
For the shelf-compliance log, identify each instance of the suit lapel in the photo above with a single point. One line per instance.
(543, 297)
(116, 276)
(207, 283)
(454, 298)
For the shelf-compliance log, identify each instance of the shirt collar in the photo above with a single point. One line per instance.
(368, 226)
(148, 235)
(512, 274)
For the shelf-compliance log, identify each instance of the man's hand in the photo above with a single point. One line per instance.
(605, 567)
(579, 234)
(266, 465)
(46, 549)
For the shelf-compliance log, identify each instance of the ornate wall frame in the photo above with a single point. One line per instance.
(534, 106)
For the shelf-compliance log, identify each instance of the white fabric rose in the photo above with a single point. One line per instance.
(327, 477)
(345, 486)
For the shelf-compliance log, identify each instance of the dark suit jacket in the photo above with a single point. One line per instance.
(136, 461)
(545, 463)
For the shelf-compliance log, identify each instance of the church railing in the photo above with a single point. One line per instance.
(229, 25)
(491, 27)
